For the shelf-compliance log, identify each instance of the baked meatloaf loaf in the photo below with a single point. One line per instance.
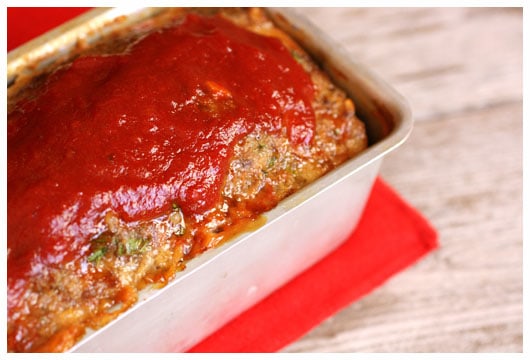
(124, 165)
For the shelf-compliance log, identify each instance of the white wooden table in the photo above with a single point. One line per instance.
(461, 71)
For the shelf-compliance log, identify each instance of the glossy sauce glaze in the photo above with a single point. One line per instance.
(138, 132)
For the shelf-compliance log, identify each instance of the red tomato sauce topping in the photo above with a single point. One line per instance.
(137, 132)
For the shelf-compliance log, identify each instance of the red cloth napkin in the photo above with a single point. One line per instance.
(23, 24)
(391, 235)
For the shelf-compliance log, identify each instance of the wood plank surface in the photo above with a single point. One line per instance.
(461, 71)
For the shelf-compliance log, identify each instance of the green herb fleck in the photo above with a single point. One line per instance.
(135, 245)
(297, 56)
(272, 161)
(98, 254)
(120, 248)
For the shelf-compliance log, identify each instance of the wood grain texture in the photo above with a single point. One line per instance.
(461, 71)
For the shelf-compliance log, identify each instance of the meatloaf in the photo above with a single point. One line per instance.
(124, 165)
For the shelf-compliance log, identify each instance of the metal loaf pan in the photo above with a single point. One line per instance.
(223, 282)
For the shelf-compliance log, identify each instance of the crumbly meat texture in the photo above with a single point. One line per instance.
(58, 305)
